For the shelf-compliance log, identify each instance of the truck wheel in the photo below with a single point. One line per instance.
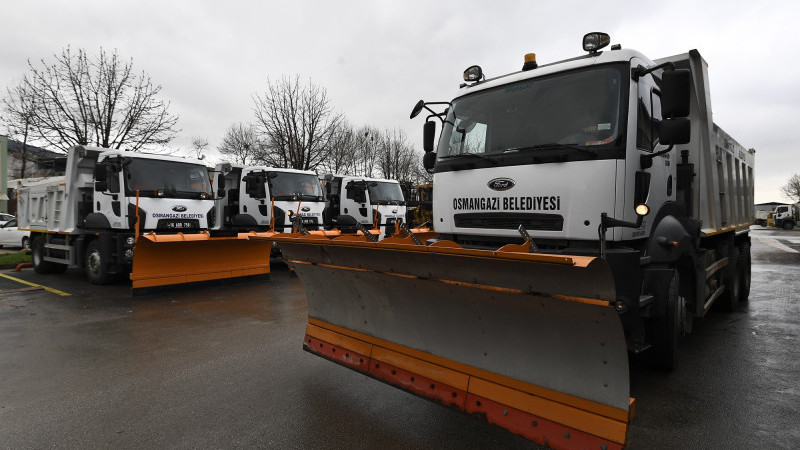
(730, 297)
(26, 243)
(96, 268)
(37, 256)
(744, 272)
(788, 225)
(665, 330)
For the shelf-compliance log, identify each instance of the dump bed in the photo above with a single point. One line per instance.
(723, 168)
(43, 207)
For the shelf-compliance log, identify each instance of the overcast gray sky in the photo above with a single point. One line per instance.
(377, 58)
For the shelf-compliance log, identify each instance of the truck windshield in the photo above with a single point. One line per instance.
(576, 112)
(160, 178)
(385, 193)
(294, 186)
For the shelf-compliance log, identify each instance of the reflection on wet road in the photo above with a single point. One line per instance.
(223, 366)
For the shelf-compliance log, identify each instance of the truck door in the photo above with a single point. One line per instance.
(355, 202)
(253, 198)
(108, 198)
(654, 185)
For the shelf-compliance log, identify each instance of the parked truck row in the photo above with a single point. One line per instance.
(162, 220)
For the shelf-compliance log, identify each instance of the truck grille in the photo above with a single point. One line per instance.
(510, 221)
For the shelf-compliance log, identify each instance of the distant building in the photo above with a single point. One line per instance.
(38, 161)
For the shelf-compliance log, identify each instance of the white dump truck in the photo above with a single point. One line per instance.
(260, 198)
(117, 211)
(786, 216)
(371, 202)
(586, 208)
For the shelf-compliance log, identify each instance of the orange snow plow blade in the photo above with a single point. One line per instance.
(526, 341)
(164, 259)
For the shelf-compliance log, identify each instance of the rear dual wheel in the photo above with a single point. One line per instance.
(665, 330)
(744, 272)
(38, 253)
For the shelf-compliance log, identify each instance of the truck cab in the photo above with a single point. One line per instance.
(171, 194)
(369, 201)
(785, 216)
(609, 154)
(257, 198)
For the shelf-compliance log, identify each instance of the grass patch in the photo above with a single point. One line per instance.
(12, 259)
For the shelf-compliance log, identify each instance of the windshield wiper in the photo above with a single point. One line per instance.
(470, 155)
(553, 146)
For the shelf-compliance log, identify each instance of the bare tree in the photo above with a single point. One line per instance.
(19, 106)
(792, 188)
(298, 123)
(241, 142)
(99, 101)
(342, 150)
(397, 158)
(199, 146)
(367, 143)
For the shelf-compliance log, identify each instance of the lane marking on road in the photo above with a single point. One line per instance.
(48, 289)
(778, 245)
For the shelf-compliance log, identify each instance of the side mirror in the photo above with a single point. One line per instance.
(220, 179)
(675, 99)
(417, 109)
(100, 172)
(429, 160)
(675, 131)
(101, 186)
(221, 193)
(428, 132)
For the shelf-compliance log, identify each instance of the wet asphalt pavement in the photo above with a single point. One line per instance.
(222, 367)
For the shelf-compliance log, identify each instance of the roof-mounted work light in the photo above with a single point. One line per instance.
(473, 73)
(592, 42)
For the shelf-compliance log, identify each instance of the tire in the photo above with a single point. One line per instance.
(665, 331)
(788, 225)
(26, 243)
(744, 272)
(730, 297)
(97, 270)
(37, 257)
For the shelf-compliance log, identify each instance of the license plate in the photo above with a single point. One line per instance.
(180, 225)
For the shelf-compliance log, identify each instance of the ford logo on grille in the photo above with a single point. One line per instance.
(305, 209)
(179, 208)
(394, 211)
(501, 184)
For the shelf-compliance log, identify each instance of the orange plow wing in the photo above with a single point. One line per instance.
(526, 341)
(161, 260)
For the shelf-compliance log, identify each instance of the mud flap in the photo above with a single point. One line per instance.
(161, 260)
(526, 341)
